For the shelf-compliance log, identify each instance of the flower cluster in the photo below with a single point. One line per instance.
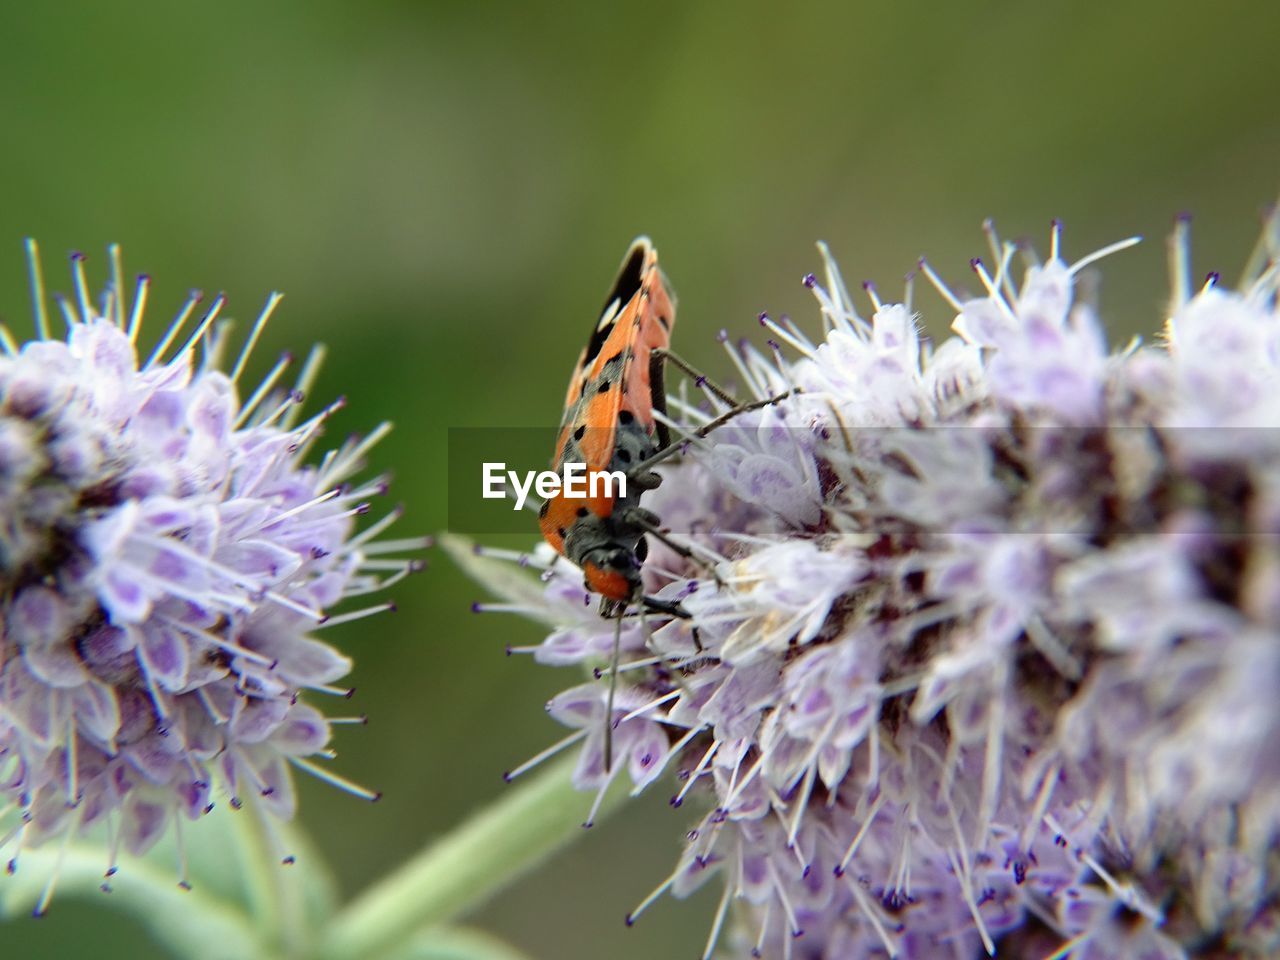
(165, 557)
(985, 654)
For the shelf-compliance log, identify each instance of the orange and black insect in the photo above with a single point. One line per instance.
(614, 422)
(609, 425)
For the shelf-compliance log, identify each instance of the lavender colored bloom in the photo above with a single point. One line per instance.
(166, 557)
(989, 656)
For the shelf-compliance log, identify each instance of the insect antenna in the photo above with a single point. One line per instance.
(614, 657)
(668, 608)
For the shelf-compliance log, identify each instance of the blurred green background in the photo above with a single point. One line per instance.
(444, 190)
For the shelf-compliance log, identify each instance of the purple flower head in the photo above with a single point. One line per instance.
(983, 639)
(166, 559)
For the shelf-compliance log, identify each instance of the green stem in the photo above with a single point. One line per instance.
(191, 924)
(272, 888)
(456, 943)
(467, 866)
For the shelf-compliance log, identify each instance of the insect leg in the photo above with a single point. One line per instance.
(671, 449)
(671, 608)
(659, 355)
(648, 522)
(658, 394)
(728, 415)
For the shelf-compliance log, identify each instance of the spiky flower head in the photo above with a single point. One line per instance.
(166, 558)
(988, 656)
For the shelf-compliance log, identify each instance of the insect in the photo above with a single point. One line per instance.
(609, 425)
(613, 422)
